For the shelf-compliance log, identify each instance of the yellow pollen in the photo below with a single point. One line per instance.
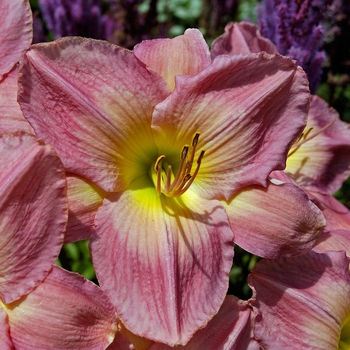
(183, 178)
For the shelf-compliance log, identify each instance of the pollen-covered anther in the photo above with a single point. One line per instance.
(183, 178)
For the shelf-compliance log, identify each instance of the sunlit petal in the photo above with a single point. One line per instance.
(93, 102)
(66, 311)
(154, 257)
(33, 212)
(248, 109)
(323, 162)
(303, 301)
(84, 198)
(274, 221)
(186, 54)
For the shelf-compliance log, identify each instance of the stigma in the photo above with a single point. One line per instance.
(175, 185)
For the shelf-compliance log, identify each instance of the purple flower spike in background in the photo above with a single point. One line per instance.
(76, 17)
(295, 27)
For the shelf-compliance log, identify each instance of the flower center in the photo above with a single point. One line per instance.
(175, 185)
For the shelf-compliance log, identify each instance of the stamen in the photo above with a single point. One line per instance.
(304, 137)
(189, 183)
(181, 171)
(183, 178)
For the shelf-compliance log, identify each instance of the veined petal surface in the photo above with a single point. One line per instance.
(303, 301)
(154, 257)
(92, 101)
(16, 32)
(11, 116)
(33, 212)
(120, 342)
(323, 162)
(5, 339)
(241, 37)
(84, 198)
(248, 109)
(185, 54)
(338, 240)
(229, 329)
(65, 311)
(337, 215)
(275, 221)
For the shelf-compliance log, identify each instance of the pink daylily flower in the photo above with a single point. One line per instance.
(15, 38)
(320, 161)
(170, 139)
(304, 302)
(65, 311)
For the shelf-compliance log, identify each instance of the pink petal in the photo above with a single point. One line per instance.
(338, 240)
(249, 109)
(84, 198)
(323, 162)
(33, 212)
(16, 32)
(241, 37)
(66, 311)
(134, 340)
(120, 342)
(10, 114)
(154, 257)
(336, 214)
(274, 221)
(230, 329)
(5, 339)
(93, 102)
(303, 301)
(186, 54)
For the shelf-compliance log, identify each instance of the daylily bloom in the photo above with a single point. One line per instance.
(15, 38)
(304, 302)
(320, 161)
(178, 144)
